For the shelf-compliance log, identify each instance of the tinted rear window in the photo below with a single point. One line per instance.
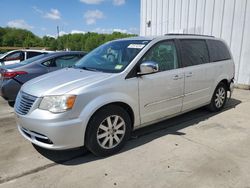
(194, 52)
(33, 54)
(218, 50)
(66, 61)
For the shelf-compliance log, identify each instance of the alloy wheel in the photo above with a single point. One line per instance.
(111, 131)
(220, 97)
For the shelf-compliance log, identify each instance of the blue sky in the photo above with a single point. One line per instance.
(72, 16)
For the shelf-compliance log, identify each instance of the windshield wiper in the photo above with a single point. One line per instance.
(90, 69)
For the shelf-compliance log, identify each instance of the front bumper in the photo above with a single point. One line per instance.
(51, 133)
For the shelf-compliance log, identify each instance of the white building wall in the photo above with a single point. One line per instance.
(226, 19)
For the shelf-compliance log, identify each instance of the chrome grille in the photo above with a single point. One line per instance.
(24, 102)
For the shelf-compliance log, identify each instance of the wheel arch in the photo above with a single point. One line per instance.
(212, 107)
(226, 82)
(130, 104)
(123, 105)
(222, 79)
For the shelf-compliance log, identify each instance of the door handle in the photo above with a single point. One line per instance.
(177, 77)
(190, 74)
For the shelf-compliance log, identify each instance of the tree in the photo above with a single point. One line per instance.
(13, 37)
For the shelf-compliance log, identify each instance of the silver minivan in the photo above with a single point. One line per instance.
(121, 86)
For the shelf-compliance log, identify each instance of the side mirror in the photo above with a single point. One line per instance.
(148, 67)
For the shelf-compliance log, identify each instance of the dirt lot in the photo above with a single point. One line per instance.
(197, 149)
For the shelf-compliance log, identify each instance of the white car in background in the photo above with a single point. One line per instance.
(16, 56)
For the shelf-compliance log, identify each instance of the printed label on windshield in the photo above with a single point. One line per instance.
(118, 67)
(137, 46)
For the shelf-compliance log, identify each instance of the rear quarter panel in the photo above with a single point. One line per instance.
(33, 71)
(223, 70)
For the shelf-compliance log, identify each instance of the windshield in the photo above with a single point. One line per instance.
(30, 60)
(113, 56)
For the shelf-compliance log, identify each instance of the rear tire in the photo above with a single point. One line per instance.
(219, 98)
(108, 130)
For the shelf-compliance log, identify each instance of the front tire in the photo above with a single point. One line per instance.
(219, 98)
(108, 130)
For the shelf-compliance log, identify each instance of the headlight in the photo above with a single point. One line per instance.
(57, 104)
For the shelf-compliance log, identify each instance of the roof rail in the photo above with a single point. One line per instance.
(188, 34)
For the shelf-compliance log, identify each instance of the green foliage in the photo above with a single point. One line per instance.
(18, 38)
(13, 37)
(87, 41)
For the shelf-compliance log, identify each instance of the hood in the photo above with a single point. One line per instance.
(62, 81)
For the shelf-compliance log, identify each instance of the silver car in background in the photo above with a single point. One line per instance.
(121, 86)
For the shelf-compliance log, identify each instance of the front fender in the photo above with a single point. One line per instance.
(103, 100)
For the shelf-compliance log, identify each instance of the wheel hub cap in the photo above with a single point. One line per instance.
(220, 97)
(111, 132)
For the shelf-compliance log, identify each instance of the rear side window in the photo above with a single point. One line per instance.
(49, 63)
(33, 54)
(218, 50)
(194, 52)
(66, 61)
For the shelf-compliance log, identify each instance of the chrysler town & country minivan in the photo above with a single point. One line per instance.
(121, 86)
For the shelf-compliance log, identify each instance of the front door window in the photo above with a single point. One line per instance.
(164, 54)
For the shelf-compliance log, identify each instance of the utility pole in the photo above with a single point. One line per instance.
(57, 27)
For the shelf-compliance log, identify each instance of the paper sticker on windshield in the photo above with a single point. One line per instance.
(118, 67)
(137, 46)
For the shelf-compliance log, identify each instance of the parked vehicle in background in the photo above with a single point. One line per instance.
(121, 86)
(17, 56)
(12, 77)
